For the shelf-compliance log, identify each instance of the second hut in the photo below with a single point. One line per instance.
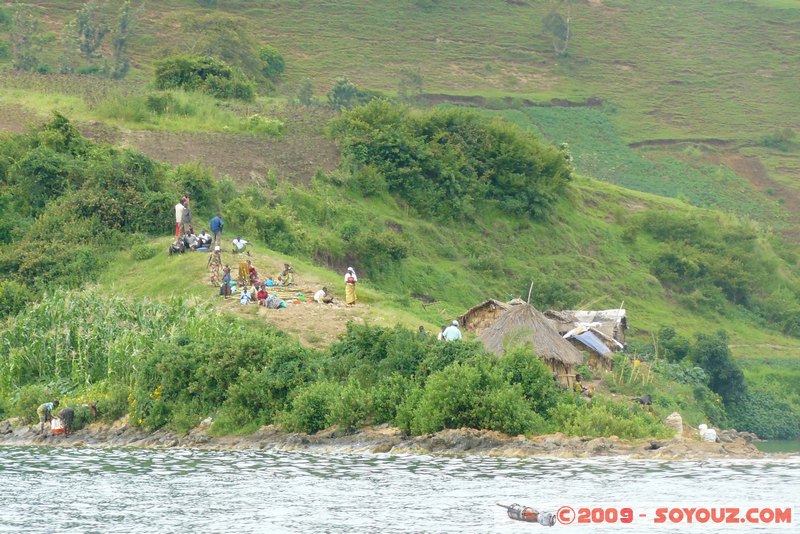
(523, 325)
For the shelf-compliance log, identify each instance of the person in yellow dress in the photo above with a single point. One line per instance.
(350, 281)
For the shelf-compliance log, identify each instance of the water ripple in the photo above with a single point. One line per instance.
(140, 490)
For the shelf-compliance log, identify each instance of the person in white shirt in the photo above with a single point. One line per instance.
(452, 333)
(350, 280)
(239, 244)
(204, 239)
(179, 207)
(322, 296)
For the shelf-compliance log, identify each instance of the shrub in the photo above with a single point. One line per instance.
(782, 140)
(143, 251)
(199, 182)
(445, 163)
(388, 395)
(351, 408)
(764, 414)
(29, 398)
(265, 126)
(311, 408)
(601, 417)
(113, 405)
(711, 352)
(522, 367)
(203, 74)
(274, 62)
(13, 298)
(473, 395)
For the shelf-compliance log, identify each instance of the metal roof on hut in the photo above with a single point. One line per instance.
(609, 323)
(524, 325)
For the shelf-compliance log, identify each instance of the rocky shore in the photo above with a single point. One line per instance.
(385, 439)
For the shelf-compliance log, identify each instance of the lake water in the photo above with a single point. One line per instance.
(779, 445)
(142, 490)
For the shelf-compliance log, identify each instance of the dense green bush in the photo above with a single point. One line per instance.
(113, 405)
(448, 162)
(765, 414)
(473, 395)
(273, 61)
(600, 418)
(28, 399)
(204, 74)
(311, 408)
(92, 194)
(522, 367)
(711, 352)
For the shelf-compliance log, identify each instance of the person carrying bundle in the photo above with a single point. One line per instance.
(350, 281)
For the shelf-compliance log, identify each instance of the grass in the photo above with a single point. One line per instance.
(188, 112)
(682, 173)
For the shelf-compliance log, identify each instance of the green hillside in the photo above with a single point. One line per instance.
(680, 199)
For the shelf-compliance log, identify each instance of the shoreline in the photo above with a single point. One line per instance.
(386, 439)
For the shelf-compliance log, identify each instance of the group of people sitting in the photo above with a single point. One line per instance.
(191, 241)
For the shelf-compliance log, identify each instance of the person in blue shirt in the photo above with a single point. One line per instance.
(452, 333)
(216, 228)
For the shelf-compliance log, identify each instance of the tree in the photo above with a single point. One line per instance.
(126, 21)
(274, 64)
(409, 88)
(91, 30)
(227, 38)
(342, 93)
(27, 40)
(305, 93)
(558, 25)
(711, 352)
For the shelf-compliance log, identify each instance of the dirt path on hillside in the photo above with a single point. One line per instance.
(244, 158)
(751, 169)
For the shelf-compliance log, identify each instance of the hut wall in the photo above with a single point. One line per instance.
(480, 320)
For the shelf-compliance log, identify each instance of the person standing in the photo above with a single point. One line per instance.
(215, 266)
(179, 207)
(350, 281)
(452, 333)
(45, 413)
(225, 288)
(216, 228)
(186, 219)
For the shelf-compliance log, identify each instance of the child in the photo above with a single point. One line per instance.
(225, 288)
(262, 295)
(244, 296)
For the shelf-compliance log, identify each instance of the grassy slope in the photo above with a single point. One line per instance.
(716, 69)
(676, 68)
(672, 70)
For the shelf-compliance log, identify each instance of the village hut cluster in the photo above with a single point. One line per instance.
(558, 337)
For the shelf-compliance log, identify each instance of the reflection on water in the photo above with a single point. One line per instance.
(779, 445)
(140, 490)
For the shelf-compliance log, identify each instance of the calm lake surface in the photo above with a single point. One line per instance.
(141, 490)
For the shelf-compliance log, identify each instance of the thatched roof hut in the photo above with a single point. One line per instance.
(524, 325)
(480, 317)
